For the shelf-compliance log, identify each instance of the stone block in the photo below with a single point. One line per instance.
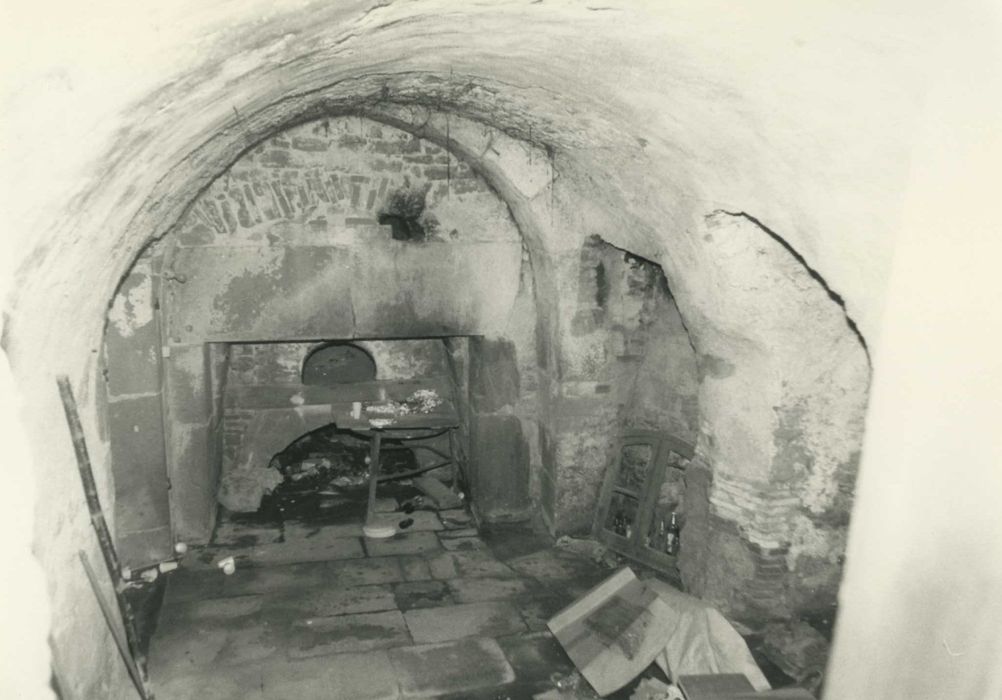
(424, 521)
(455, 518)
(273, 579)
(305, 143)
(303, 551)
(328, 602)
(209, 609)
(421, 594)
(455, 668)
(459, 621)
(320, 636)
(538, 609)
(295, 531)
(249, 293)
(458, 533)
(463, 544)
(186, 373)
(396, 297)
(365, 572)
(478, 590)
(188, 584)
(252, 642)
(145, 547)
(443, 567)
(557, 569)
(415, 568)
(407, 543)
(275, 158)
(467, 564)
(499, 466)
(494, 376)
(194, 475)
(135, 429)
(366, 676)
(192, 645)
(230, 533)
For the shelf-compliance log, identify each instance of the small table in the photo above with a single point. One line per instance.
(409, 426)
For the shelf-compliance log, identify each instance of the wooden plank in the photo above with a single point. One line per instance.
(116, 632)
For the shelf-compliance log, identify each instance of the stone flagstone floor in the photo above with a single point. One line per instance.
(315, 610)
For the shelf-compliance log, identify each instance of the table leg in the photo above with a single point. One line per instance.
(453, 452)
(370, 512)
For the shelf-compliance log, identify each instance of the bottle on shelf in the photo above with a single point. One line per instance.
(672, 536)
(659, 543)
(619, 523)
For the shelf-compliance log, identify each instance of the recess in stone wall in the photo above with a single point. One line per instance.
(338, 363)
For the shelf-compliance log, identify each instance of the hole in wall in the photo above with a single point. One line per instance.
(404, 212)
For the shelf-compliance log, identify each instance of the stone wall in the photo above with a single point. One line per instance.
(194, 381)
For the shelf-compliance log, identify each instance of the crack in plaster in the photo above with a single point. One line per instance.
(815, 275)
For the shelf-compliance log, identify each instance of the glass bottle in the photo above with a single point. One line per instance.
(672, 536)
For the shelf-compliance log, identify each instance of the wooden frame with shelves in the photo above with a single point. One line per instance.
(629, 496)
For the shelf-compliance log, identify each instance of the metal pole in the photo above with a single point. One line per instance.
(370, 513)
(99, 523)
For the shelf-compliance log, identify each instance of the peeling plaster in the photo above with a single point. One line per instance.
(808, 541)
(134, 308)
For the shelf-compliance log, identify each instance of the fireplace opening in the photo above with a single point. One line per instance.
(302, 421)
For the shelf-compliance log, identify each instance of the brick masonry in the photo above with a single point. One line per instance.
(334, 175)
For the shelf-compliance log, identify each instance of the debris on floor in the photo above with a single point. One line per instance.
(714, 686)
(799, 650)
(654, 689)
(703, 641)
(614, 632)
(455, 518)
(227, 565)
(442, 496)
(241, 490)
(592, 549)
